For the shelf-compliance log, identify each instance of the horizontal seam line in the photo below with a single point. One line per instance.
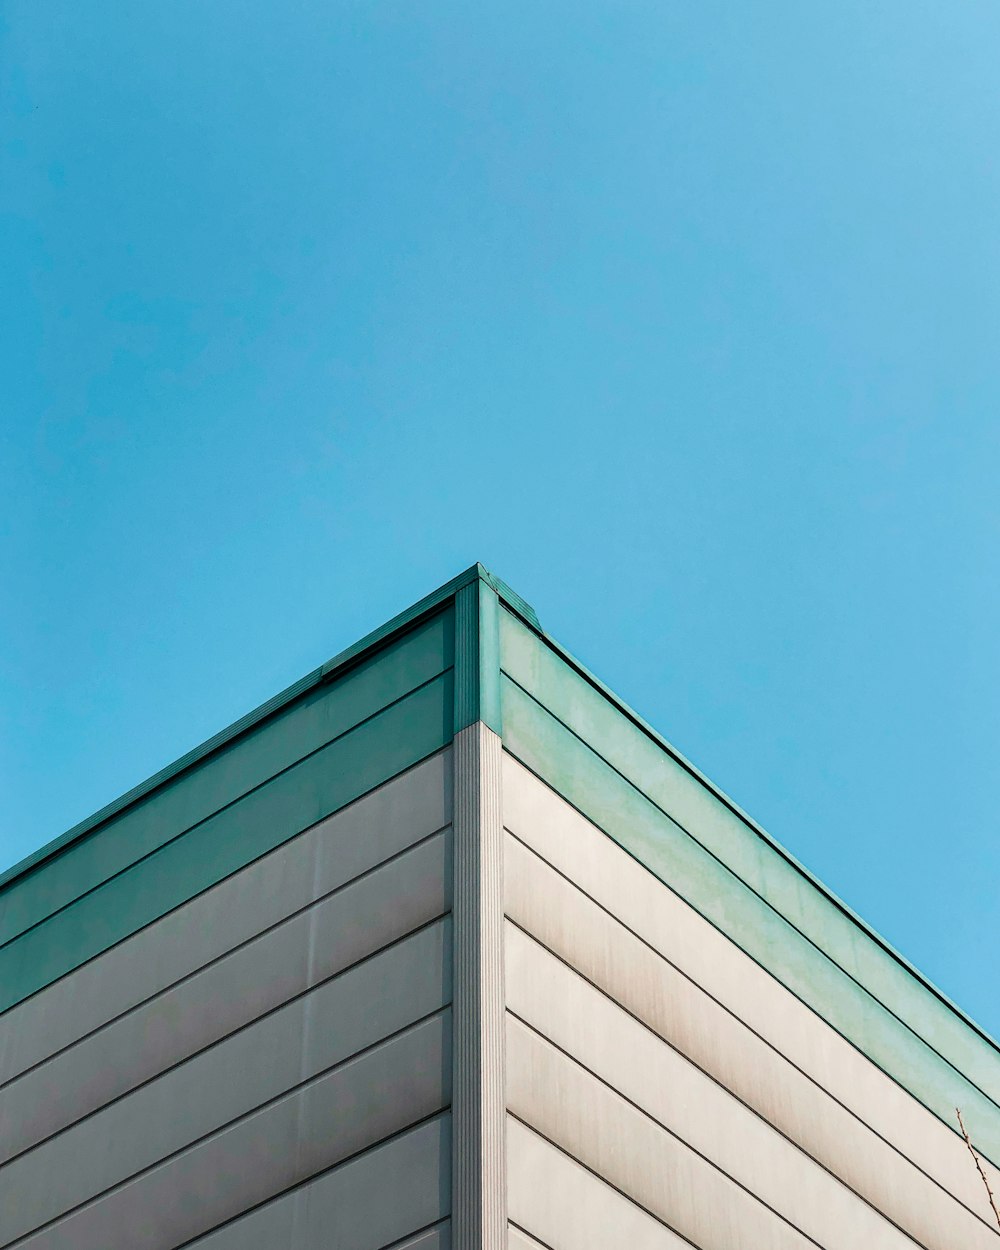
(218, 881)
(520, 1227)
(814, 883)
(666, 1129)
(770, 906)
(228, 1037)
(752, 825)
(224, 808)
(758, 1116)
(375, 642)
(324, 1172)
(604, 1180)
(739, 1021)
(110, 1190)
(408, 1238)
(232, 950)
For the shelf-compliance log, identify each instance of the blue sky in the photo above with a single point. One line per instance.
(684, 318)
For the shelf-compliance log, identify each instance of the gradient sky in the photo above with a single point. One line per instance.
(682, 317)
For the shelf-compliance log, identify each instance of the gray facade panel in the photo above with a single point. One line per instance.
(294, 1044)
(371, 1201)
(432, 1239)
(320, 860)
(386, 904)
(402, 1081)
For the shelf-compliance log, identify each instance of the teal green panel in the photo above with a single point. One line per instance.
(477, 656)
(748, 853)
(586, 780)
(467, 656)
(327, 780)
(317, 717)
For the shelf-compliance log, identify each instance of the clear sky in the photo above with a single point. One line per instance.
(682, 317)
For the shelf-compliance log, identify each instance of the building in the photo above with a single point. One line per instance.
(443, 946)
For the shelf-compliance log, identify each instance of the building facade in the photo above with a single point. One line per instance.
(444, 947)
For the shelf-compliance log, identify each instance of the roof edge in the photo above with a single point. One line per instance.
(760, 831)
(343, 660)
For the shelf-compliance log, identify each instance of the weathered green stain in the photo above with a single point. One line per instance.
(602, 790)
(310, 790)
(466, 656)
(757, 861)
(317, 717)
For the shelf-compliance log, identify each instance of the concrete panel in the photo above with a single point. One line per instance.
(665, 922)
(613, 1046)
(568, 1207)
(369, 1202)
(411, 890)
(323, 858)
(597, 1127)
(294, 1044)
(402, 1081)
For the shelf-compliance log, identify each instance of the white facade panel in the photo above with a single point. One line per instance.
(659, 959)
(568, 1207)
(555, 1096)
(568, 1011)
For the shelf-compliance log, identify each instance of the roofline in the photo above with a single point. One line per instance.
(333, 668)
(761, 832)
(373, 642)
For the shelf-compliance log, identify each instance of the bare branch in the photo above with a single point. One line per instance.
(979, 1166)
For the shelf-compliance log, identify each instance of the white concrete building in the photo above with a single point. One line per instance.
(444, 947)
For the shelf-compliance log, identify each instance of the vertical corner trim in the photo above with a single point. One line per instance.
(479, 1183)
(477, 656)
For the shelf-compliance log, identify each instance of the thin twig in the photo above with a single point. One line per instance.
(993, 1202)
